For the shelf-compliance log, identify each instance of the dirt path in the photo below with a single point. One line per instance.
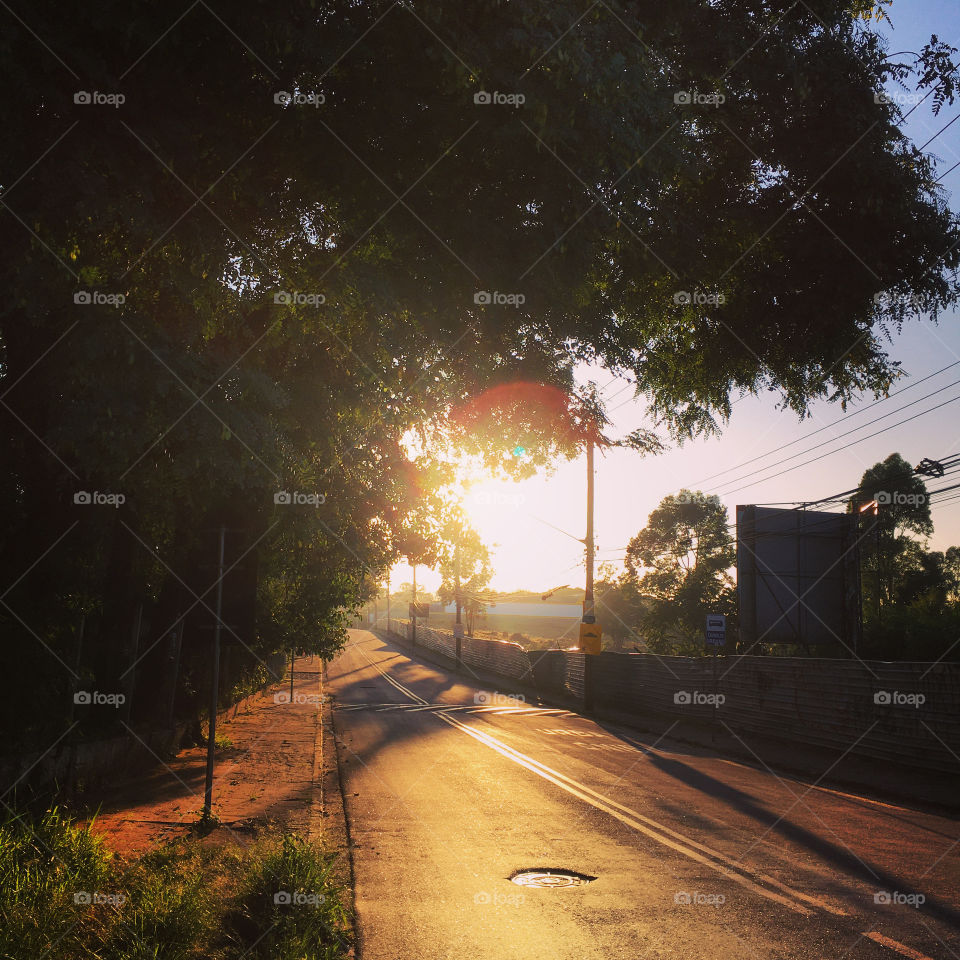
(273, 772)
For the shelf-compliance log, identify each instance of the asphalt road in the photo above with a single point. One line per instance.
(452, 788)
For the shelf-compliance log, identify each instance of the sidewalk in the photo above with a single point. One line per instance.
(273, 772)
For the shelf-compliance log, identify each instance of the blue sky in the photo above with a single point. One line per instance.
(520, 518)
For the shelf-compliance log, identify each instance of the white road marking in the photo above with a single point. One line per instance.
(631, 818)
(901, 948)
(790, 898)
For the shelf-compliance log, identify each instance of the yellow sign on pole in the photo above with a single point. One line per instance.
(590, 634)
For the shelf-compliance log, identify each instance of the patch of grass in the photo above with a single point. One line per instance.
(44, 865)
(290, 907)
(64, 894)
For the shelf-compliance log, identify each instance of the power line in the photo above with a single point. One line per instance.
(950, 463)
(869, 436)
(849, 416)
(941, 130)
(942, 175)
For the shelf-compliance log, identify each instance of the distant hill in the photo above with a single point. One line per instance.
(566, 595)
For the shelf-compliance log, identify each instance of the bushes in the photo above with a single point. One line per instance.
(917, 631)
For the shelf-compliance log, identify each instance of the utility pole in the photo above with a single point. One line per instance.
(214, 686)
(458, 628)
(413, 619)
(388, 601)
(590, 630)
(588, 611)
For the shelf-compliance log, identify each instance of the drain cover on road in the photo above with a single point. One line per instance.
(550, 878)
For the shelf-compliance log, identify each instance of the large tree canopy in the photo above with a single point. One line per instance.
(248, 249)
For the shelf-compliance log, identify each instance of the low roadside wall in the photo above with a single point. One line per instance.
(908, 713)
(71, 762)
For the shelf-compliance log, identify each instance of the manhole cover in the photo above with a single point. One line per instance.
(550, 878)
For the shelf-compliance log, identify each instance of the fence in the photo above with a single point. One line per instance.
(901, 712)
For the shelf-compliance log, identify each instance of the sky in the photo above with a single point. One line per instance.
(524, 520)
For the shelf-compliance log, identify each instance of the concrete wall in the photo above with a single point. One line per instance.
(902, 712)
(68, 763)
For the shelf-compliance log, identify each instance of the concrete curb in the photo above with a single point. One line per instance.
(334, 825)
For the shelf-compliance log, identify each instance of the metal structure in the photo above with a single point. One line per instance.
(798, 578)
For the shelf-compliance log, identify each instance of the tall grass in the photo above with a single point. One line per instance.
(289, 904)
(63, 894)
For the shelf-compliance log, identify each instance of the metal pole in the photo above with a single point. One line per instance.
(177, 645)
(413, 619)
(76, 670)
(214, 687)
(134, 652)
(388, 601)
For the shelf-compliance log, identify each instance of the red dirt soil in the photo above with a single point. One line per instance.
(270, 774)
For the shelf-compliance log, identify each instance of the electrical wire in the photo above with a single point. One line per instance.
(849, 416)
(829, 453)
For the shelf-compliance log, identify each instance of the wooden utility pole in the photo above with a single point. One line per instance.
(413, 619)
(214, 686)
(590, 631)
(458, 630)
(588, 610)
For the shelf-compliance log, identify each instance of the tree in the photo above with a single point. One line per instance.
(466, 570)
(260, 265)
(902, 510)
(619, 608)
(687, 552)
(951, 566)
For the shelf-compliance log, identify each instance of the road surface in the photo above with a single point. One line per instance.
(451, 788)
